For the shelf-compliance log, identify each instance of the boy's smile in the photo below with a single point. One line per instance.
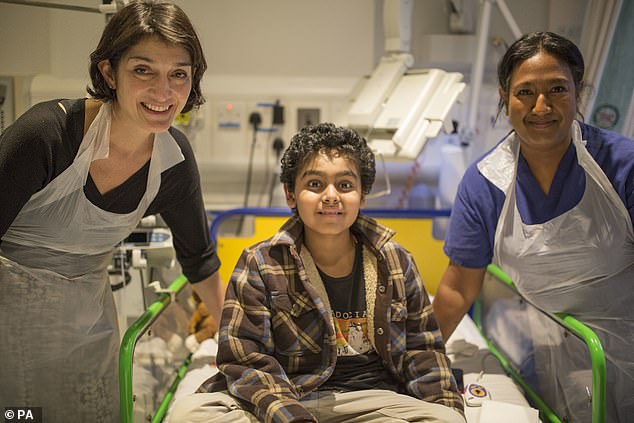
(328, 195)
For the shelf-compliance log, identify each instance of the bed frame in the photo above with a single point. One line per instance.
(171, 295)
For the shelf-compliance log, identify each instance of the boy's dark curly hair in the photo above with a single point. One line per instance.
(331, 140)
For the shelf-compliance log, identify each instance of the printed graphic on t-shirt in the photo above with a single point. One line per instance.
(352, 333)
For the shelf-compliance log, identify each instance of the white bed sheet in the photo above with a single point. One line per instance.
(468, 351)
(202, 367)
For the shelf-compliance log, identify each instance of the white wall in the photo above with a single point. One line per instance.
(307, 53)
(301, 38)
(285, 37)
(24, 47)
(277, 37)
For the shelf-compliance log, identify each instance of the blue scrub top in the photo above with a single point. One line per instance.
(478, 204)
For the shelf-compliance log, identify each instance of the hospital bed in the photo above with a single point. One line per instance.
(493, 347)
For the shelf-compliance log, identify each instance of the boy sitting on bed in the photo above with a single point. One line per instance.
(328, 320)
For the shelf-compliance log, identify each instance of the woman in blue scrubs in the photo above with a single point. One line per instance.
(553, 205)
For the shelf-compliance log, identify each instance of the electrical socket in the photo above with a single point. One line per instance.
(307, 116)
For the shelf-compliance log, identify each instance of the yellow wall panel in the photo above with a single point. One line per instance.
(413, 234)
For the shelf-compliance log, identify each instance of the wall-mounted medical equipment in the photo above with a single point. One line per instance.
(399, 110)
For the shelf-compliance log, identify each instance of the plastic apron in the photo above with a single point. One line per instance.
(581, 263)
(58, 323)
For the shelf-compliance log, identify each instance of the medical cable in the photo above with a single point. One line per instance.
(278, 146)
(482, 367)
(267, 166)
(277, 122)
(254, 119)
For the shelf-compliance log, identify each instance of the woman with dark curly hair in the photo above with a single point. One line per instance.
(328, 320)
(76, 177)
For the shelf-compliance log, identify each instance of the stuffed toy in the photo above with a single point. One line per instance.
(201, 326)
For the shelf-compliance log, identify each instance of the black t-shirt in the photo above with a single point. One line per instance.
(44, 141)
(358, 365)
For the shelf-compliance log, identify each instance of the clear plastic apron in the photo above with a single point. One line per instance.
(581, 263)
(58, 323)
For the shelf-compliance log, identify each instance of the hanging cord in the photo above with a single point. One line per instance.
(411, 178)
(254, 119)
(267, 166)
(278, 146)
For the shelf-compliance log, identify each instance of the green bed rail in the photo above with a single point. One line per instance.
(597, 357)
(163, 407)
(126, 351)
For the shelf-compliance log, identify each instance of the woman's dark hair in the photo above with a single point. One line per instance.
(140, 19)
(531, 44)
(331, 140)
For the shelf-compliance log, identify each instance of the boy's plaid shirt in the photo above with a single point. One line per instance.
(276, 342)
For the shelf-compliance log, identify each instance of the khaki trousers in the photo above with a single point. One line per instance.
(373, 405)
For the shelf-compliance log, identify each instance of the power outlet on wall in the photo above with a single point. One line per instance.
(307, 116)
